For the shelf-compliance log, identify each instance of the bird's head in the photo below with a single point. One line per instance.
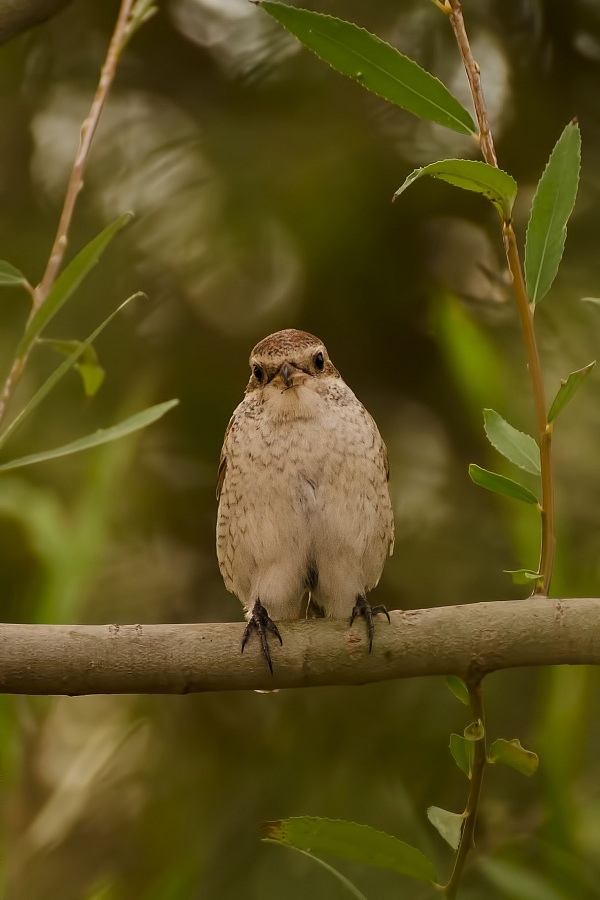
(291, 363)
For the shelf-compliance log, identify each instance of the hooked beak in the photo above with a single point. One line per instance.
(289, 375)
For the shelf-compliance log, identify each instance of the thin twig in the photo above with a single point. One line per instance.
(470, 814)
(88, 129)
(525, 310)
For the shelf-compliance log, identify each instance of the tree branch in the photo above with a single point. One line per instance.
(469, 641)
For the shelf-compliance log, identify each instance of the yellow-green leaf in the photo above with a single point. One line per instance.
(472, 175)
(501, 485)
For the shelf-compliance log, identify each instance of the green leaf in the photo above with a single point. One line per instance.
(552, 205)
(463, 753)
(568, 388)
(341, 878)
(10, 276)
(448, 824)
(62, 370)
(102, 436)
(515, 879)
(458, 688)
(475, 731)
(92, 373)
(501, 485)
(522, 576)
(519, 448)
(348, 840)
(511, 753)
(593, 300)
(376, 65)
(471, 175)
(68, 282)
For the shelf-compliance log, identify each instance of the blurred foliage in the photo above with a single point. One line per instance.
(261, 183)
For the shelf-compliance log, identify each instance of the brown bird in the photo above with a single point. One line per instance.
(304, 505)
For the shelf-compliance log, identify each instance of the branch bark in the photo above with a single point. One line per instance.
(469, 641)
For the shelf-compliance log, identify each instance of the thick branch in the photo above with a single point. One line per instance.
(173, 659)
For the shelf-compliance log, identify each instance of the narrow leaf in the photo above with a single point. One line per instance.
(458, 688)
(376, 65)
(62, 370)
(102, 436)
(595, 301)
(511, 753)
(501, 485)
(568, 388)
(463, 753)
(519, 448)
(448, 824)
(336, 874)
(348, 840)
(471, 175)
(552, 205)
(9, 275)
(475, 731)
(68, 282)
(522, 576)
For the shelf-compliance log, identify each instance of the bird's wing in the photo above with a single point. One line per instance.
(223, 460)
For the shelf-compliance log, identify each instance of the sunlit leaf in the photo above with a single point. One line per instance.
(522, 576)
(463, 753)
(348, 840)
(448, 824)
(501, 485)
(475, 731)
(512, 754)
(471, 175)
(90, 370)
(10, 276)
(519, 448)
(351, 888)
(61, 371)
(458, 688)
(552, 205)
(68, 282)
(376, 65)
(102, 436)
(568, 388)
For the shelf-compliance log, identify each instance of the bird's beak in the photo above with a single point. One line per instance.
(289, 375)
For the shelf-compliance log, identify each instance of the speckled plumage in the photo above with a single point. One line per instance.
(304, 504)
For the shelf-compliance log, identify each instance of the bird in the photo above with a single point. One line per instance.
(304, 507)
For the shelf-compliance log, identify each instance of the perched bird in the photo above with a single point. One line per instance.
(304, 505)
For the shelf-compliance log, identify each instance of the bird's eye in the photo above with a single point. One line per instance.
(319, 361)
(258, 373)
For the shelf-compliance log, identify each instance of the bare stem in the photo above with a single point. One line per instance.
(470, 814)
(88, 129)
(525, 309)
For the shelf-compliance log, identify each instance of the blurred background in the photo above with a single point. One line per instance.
(262, 183)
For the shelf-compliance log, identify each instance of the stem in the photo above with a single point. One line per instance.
(88, 130)
(525, 309)
(470, 814)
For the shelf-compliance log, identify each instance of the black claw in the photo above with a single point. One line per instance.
(364, 609)
(261, 622)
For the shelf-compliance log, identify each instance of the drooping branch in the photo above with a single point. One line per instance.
(469, 641)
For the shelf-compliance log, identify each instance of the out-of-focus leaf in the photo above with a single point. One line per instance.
(463, 753)
(336, 874)
(512, 754)
(552, 205)
(458, 688)
(568, 388)
(10, 276)
(501, 485)
(348, 840)
(102, 436)
(519, 448)
(522, 576)
(475, 731)
(92, 373)
(516, 880)
(68, 282)
(594, 300)
(472, 175)
(374, 64)
(448, 824)
(62, 370)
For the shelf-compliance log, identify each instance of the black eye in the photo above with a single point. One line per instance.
(319, 361)
(258, 373)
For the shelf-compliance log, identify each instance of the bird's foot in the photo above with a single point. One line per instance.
(261, 622)
(364, 609)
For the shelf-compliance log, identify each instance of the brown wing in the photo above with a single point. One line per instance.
(223, 461)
